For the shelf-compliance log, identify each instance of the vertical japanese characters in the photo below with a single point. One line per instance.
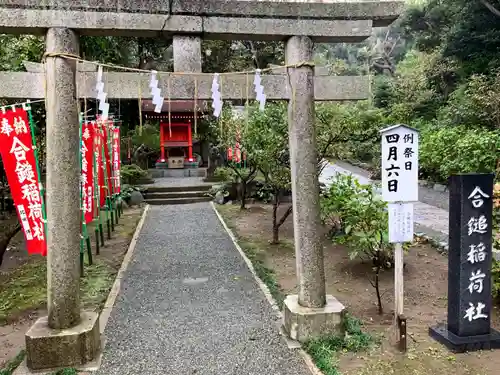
(400, 164)
(478, 258)
(17, 151)
(98, 151)
(116, 159)
(88, 171)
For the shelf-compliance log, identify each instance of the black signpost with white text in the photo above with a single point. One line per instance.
(469, 266)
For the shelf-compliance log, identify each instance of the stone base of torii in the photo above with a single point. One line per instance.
(69, 337)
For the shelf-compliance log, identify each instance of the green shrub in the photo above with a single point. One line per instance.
(495, 280)
(360, 221)
(132, 174)
(452, 150)
(223, 174)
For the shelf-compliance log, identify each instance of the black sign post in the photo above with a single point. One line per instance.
(469, 266)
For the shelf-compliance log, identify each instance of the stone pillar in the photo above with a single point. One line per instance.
(67, 337)
(310, 313)
(305, 184)
(187, 53)
(63, 182)
(187, 58)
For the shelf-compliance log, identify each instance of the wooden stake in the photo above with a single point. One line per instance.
(399, 294)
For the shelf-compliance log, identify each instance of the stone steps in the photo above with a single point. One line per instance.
(170, 201)
(167, 195)
(176, 194)
(172, 189)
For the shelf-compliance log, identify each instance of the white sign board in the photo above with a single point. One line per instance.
(400, 222)
(399, 164)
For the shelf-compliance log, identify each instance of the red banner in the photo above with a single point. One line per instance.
(88, 171)
(106, 138)
(99, 163)
(19, 163)
(116, 159)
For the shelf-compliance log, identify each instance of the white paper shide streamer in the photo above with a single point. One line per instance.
(259, 90)
(216, 96)
(156, 92)
(101, 95)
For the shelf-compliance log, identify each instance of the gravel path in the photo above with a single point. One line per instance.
(189, 305)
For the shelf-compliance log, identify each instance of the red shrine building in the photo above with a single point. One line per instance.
(179, 145)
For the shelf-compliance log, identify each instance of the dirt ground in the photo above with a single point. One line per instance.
(425, 299)
(23, 288)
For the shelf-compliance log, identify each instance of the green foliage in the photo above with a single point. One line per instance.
(16, 49)
(148, 136)
(460, 149)
(348, 131)
(224, 174)
(131, 174)
(475, 102)
(66, 371)
(495, 279)
(361, 217)
(324, 351)
(267, 132)
(264, 192)
(13, 364)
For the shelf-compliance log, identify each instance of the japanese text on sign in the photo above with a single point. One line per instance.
(16, 149)
(399, 164)
(400, 222)
(477, 256)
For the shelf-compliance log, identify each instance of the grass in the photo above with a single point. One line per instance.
(26, 287)
(13, 364)
(324, 351)
(66, 371)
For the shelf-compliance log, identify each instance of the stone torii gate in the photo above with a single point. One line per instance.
(69, 336)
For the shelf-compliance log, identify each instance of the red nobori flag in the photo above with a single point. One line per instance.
(99, 162)
(88, 171)
(19, 162)
(116, 159)
(105, 127)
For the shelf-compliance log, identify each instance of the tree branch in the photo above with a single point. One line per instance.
(490, 7)
(285, 216)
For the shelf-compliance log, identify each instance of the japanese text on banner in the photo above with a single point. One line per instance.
(88, 171)
(116, 159)
(19, 161)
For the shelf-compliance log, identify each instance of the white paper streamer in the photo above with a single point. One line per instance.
(156, 92)
(259, 90)
(216, 96)
(101, 95)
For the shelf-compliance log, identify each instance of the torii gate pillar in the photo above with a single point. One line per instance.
(311, 313)
(67, 337)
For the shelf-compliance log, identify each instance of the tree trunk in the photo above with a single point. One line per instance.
(276, 228)
(4, 242)
(277, 224)
(243, 194)
(378, 265)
